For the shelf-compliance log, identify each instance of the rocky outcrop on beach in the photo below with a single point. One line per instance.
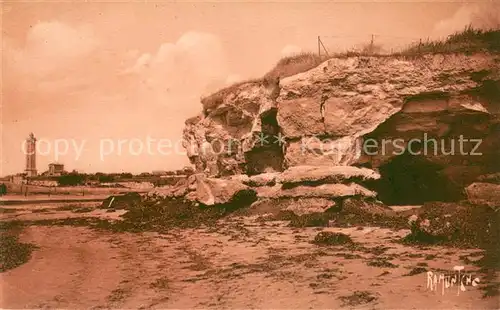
(313, 189)
(358, 130)
(301, 189)
(419, 122)
(207, 191)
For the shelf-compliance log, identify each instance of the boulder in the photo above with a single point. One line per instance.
(484, 193)
(179, 190)
(213, 191)
(168, 191)
(326, 174)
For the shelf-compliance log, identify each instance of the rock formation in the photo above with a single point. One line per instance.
(359, 111)
(312, 189)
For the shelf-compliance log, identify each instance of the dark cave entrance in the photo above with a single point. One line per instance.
(413, 180)
(267, 156)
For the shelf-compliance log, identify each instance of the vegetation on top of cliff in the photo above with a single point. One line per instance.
(295, 64)
(470, 40)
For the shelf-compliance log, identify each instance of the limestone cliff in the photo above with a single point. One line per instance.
(326, 115)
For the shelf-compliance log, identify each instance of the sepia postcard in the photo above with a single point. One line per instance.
(250, 154)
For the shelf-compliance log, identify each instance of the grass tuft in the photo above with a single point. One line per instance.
(295, 64)
(469, 40)
(358, 298)
(331, 238)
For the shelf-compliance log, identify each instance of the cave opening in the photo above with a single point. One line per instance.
(413, 180)
(267, 155)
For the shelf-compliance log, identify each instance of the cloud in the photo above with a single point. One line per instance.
(56, 39)
(46, 69)
(120, 94)
(50, 47)
(181, 71)
(290, 50)
(198, 52)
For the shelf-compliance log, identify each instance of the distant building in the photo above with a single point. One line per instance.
(30, 149)
(56, 169)
(163, 173)
(159, 172)
(18, 179)
(48, 183)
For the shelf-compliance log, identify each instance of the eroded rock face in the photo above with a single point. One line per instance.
(225, 140)
(417, 105)
(360, 111)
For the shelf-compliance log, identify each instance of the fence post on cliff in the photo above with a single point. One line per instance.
(319, 47)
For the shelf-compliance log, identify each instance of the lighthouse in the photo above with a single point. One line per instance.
(30, 149)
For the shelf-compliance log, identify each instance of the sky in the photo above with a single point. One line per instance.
(107, 86)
